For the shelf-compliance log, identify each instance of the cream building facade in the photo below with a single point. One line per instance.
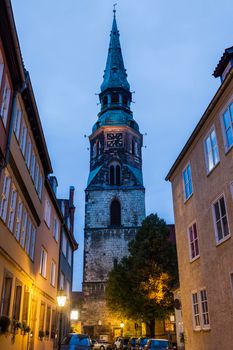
(202, 187)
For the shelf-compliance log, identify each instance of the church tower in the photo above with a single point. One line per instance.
(115, 195)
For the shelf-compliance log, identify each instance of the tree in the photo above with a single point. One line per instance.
(140, 286)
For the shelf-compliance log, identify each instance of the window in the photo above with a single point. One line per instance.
(11, 215)
(37, 176)
(40, 186)
(1, 68)
(196, 311)
(115, 174)
(32, 243)
(47, 324)
(55, 229)
(64, 244)
(18, 219)
(115, 98)
(187, 178)
(17, 301)
(105, 100)
(220, 219)
(5, 102)
(47, 212)
(25, 306)
(24, 228)
(53, 324)
(69, 255)
(211, 150)
(28, 236)
(42, 317)
(53, 273)
(6, 294)
(18, 115)
(32, 167)
(5, 196)
(204, 309)
(115, 212)
(28, 152)
(62, 281)
(133, 147)
(193, 241)
(228, 126)
(68, 289)
(23, 137)
(43, 262)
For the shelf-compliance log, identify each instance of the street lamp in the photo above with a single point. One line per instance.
(122, 326)
(61, 301)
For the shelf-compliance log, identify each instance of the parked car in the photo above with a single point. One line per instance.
(74, 341)
(101, 344)
(141, 342)
(157, 344)
(124, 343)
(132, 343)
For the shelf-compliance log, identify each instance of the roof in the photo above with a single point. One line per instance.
(202, 121)
(93, 174)
(226, 57)
(115, 73)
(137, 173)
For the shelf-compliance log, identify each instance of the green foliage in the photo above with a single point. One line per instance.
(140, 286)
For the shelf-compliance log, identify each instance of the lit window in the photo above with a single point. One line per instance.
(18, 115)
(5, 196)
(47, 212)
(187, 178)
(43, 262)
(42, 317)
(228, 126)
(211, 150)
(5, 102)
(23, 137)
(23, 229)
(6, 294)
(193, 241)
(17, 301)
(220, 219)
(204, 309)
(12, 207)
(53, 273)
(18, 219)
(62, 281)
(196, 311)
(64, 244)
(55, 229)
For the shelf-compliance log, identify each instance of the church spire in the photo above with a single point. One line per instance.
(115, 73)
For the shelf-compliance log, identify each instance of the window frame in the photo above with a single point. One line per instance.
(224, 109)
(206, 154)
(196, 327)
(204, 326)
(183, 182)
(53, 273)
(191, 225)
(43, 262)
(225, 238)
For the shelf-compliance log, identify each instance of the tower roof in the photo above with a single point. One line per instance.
(115, 73)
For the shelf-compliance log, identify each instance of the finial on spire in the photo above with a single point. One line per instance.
(114, 8)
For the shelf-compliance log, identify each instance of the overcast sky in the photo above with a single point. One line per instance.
(170, 50)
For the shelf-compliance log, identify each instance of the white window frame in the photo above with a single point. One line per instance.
(208, 136)
(18, 220)
(53, 273)
(5, 196)
(194, 314)
(12, 207)
(43, 262)
(197, 239)
(18, 117)
(28, 236)
(24, 228)
(203, 312)
(183, 181)
(227, 107)
(226, 237)
(47, 212)
(32, 243)
(6, 96)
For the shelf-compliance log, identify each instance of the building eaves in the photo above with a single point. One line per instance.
(226, 57)
(200, 124)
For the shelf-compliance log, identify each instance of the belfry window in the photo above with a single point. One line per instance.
(115, 175)
(125, 100)
(105, 100)
(115, 98)
(133, 147)
(115, 213)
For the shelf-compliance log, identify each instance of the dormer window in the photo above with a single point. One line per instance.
(115, 175)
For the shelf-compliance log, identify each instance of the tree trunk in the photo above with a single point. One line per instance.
(151, 326)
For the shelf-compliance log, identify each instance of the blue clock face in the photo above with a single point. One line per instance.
(115, 140)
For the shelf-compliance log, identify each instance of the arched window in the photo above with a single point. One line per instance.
(115, 175)
(133, 147)
(112, 175)
(115, 213)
